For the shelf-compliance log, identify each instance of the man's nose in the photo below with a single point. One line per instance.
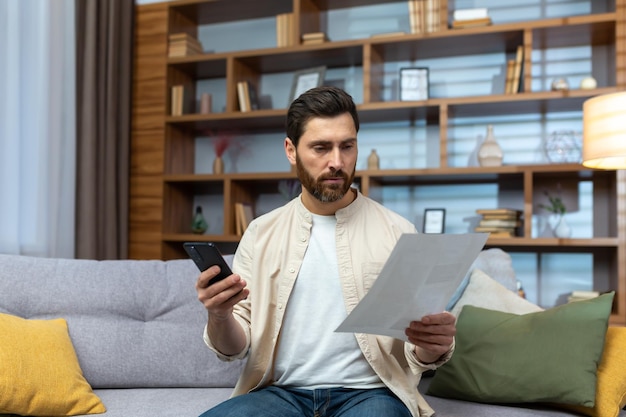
(336, 159)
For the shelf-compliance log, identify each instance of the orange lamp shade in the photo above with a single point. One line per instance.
(604, 131)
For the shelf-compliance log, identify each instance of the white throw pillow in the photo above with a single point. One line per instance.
(485, 292)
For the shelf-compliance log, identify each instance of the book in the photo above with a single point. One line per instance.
(387, 34)
(517, 72)
(470, 14)
(284, 29)
(585, 294)
(243, 216)
(176, 100)
(494, 229)
(238, 222)
(432, 16)
(508, 211)
(180, 100)
(417, 16)
(247, 217)
(504, 216)
(460, 24)
(314, 38)
(580, 295)
(243, 96)
(500, 223)
(183, 44)
(248, 99)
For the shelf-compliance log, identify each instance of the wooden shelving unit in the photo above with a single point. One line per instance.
(164, 181)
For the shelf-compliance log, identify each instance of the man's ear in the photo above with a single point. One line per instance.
(290, 151)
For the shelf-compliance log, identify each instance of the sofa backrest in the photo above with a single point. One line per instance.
(132, 323)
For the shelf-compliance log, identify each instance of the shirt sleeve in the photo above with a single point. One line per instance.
(419, 367)
(220, 355)
(241, 311)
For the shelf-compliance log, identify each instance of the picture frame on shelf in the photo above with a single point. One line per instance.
(414, 84)
(306, 79)
(434, 220)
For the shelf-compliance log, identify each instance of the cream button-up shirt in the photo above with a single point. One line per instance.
(269, 257)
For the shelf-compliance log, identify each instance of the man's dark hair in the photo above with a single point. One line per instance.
(318, 102)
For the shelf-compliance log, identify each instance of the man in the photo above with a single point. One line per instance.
(299, 270)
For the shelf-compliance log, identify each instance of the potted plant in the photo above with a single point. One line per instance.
(560, 228)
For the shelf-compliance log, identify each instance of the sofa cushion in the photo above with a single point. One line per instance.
(498, 265)
(132, 323)
(547, 356)
(446, 407)
(161, 402)
(611, 389)
(483, 291)
(39, 371)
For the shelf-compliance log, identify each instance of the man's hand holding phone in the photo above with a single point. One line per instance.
(217, 287)
(219, 290)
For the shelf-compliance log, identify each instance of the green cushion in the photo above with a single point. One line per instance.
(547, 356)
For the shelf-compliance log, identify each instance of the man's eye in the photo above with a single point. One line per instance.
(319, 148)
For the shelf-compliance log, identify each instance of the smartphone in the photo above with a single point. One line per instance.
(205, 255)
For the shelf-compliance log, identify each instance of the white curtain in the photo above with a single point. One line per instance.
(37, 127)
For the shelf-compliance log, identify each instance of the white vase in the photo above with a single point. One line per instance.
(490, 152)
(560, 227)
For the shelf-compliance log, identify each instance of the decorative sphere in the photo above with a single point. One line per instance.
(563, 146)
(560, 84)
(588, 83)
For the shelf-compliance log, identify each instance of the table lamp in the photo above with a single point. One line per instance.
(604, 131)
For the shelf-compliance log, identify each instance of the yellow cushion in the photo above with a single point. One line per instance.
(39, 370)
(611, 388)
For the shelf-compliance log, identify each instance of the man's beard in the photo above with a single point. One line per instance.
(326, 193)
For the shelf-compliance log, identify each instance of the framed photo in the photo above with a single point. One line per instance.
(434, 220)
(304, 80)
(413, 84)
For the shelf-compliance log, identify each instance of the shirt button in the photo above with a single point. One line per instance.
(303, 238)
(280, 306)
(292, 270)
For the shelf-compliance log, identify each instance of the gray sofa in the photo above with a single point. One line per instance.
(136, 327)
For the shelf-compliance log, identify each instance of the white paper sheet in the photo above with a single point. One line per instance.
(419, 278)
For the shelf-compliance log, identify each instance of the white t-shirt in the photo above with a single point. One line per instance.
(310, 354)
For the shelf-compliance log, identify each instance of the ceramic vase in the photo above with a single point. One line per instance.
(560, 228)
(199, 223)
(490, 152)
(373, 160)
(218, 165)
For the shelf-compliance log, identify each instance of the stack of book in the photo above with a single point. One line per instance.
(246, 93)
(581, 295)
(183, 44)
(499, 222)
(284, 29)
(424, 16)
(514, 72)
(467, 18)
(243, 217)
(181, 100)
(314, 38)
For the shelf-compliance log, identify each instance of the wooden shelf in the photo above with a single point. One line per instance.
(554, 244)
(163, 184)
(522, 103)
